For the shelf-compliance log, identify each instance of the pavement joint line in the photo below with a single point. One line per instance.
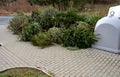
(58, 60)
(15, 55)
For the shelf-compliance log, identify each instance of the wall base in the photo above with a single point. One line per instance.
(106, 49)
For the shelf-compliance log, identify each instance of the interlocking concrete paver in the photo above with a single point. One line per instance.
(56, 59)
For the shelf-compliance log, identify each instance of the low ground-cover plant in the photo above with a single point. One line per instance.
(23, 72)
(41, 39)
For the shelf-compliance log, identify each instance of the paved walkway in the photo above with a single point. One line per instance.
(56, 59)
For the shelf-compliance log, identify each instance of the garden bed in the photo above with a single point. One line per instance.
(67, 28)
(23, 72)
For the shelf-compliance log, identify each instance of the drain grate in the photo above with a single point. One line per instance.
(0, 44)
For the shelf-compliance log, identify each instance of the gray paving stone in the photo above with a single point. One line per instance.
(56, 59)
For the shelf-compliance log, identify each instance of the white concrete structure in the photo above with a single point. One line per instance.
(108, 30)
(115, 11)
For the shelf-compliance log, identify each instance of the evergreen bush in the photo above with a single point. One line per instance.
(29, 31)
(41, 39)
(47, 18)
(81, 37)
(67, 18)
(17, 23)
(91, 20)
(55, 34)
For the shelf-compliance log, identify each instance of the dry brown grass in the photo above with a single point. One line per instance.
(19, 6)
(24, 6)
(98, 9)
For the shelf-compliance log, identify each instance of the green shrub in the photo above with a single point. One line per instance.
(55, 34)
(84, 37)
(91, 20)
(82, 17)
(35, 16)
(68, 38)
(17, 23)
(47, 18)
(29, 31)
(49, 12)
(67, 19)
(50, 25)
(81, 37)
(41, 39)
(82, 24)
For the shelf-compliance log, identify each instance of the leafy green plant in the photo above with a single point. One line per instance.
(79, 36)
(35, 16)
(84, 37)
(41, 39)
(29, 31)
(67, 39)
(81, 24)
(47, 18)
(67, 19)
(17, 23)
(55, 34)
(91, 20)
(72, 48)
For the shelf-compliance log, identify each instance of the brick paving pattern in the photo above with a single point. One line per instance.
(56, 59)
